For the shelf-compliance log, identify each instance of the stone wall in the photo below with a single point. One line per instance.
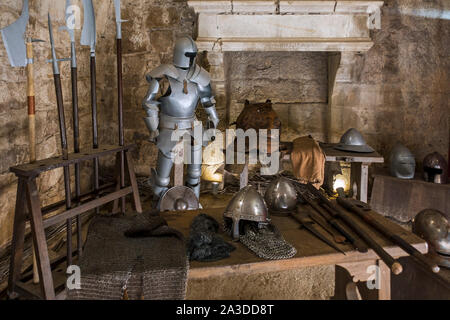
(400, 89)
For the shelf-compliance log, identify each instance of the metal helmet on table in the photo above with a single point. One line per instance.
(281, 196)
(435, 168)
(353, 141)
(178, 198)
(434, 227)
(402, 163)
(248, 205)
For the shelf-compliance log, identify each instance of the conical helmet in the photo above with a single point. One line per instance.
(281, 196)
(353, 141)
(248, 205)
(401, 162)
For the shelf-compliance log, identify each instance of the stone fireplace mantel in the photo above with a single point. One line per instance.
(341, 28)
(295, 25)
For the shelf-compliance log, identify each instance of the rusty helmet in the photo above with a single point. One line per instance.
(248, 205)
(435, 168)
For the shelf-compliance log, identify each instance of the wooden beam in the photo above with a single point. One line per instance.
(86, 207)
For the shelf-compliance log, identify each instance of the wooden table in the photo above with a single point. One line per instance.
(359, 161)
(311, 251)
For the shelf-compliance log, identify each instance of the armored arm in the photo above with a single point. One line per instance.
(208, 103)
(151, 107)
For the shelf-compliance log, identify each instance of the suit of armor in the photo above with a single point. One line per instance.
(175, 110)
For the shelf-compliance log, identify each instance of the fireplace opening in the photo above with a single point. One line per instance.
(295, 82)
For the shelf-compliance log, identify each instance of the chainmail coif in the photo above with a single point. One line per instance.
(264, 240)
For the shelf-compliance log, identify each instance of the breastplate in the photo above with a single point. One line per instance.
(177, 103)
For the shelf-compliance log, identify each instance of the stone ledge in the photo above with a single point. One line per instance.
(289, 6)
(345, 45)
(249, 25)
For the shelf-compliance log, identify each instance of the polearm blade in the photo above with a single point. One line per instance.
(13, 38)
(89, 32)
(120, 95)
(119, 20)
(70, 28)
(89, 38)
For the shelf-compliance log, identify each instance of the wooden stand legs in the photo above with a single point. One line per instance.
(28, 198)
(18, 238)
(28, 207)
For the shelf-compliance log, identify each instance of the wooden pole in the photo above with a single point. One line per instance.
(120, 116)
(31, 126)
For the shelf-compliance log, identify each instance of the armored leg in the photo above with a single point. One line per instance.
(194, 170)
(161, 176)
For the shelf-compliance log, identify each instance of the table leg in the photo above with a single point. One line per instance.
(360, 176)
(364, 272)
(384, 292)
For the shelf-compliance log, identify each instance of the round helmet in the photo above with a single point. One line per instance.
(435, 168)
(185, 52)
(178, 198)
(248, 205)
(353, 141)
(401, 162)
(281, 196)
(434, 228)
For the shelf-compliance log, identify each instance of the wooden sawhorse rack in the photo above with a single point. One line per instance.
(28, 207)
